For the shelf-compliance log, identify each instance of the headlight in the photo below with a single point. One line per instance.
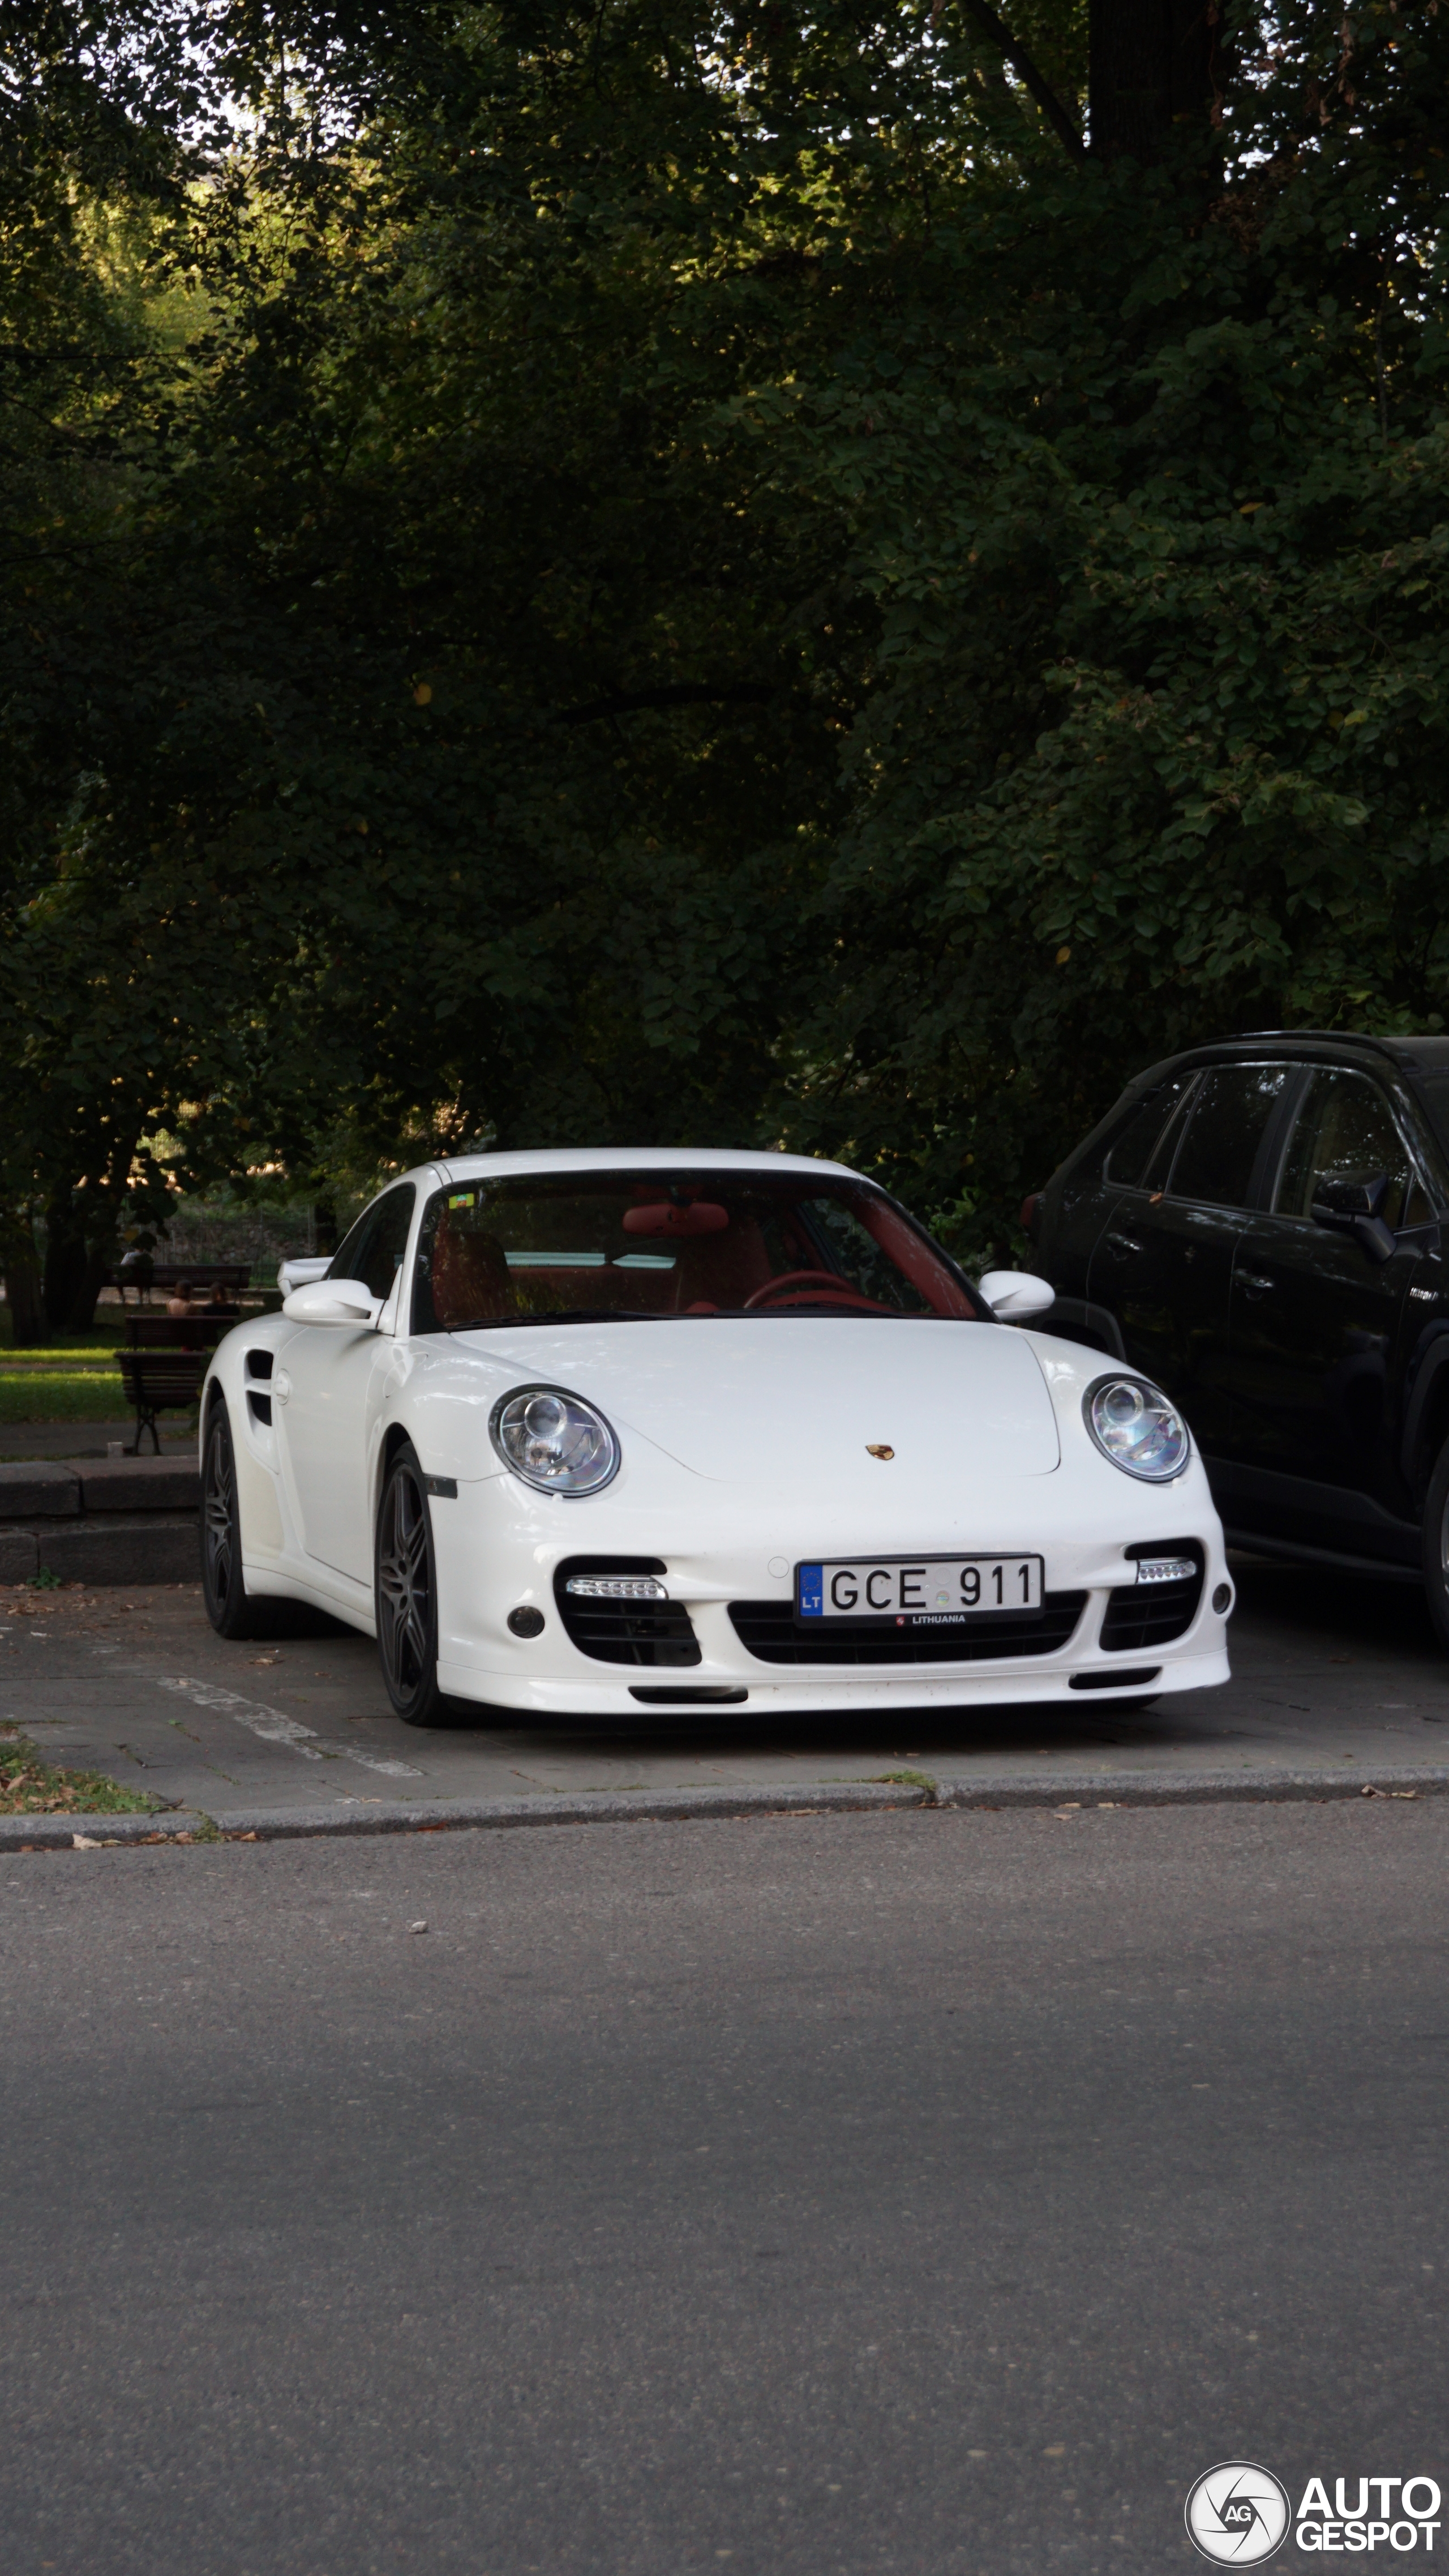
(554, 1440)
(1136, 1428)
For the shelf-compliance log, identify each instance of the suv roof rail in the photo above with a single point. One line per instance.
(1324, 1037)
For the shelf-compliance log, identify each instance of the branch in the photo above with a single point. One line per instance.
(1028, 75)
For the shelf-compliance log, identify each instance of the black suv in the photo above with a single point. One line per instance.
(1260, 1227)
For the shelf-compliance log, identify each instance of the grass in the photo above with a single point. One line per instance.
(29, 1787)
(61, 1395)
(99, 1339)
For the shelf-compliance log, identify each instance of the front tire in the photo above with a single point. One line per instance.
(234, 1612)
(223, 1584)
(406, 1591)
(1436, 1547)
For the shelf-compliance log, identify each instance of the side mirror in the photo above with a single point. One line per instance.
(333, 1301)
(1352, 1203)
(1014, 1296)
(296, 1274)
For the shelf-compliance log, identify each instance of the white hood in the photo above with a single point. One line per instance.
(731, 1399)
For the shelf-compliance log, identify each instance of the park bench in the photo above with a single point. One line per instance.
(160, 1382)
(163, 1278)
(179, 1332)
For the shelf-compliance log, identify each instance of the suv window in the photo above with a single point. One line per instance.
(1345, 1129)
(374, 1249)
(1434, 1084)
(1229, 1119)
(1132, 1152)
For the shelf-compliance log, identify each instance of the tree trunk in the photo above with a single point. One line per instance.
(22, 1288)
(77, 1255)
(65, 1262)
(1152, 64)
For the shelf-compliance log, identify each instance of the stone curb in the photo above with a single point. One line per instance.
(1195, 1788)
(602, 1806)
(453, 1815)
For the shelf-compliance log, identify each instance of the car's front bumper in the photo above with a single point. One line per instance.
(497, 1553)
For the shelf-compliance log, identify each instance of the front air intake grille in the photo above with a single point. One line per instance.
(258, 1371)
(1150, 1614)
(623, 1632)
(767, 1630)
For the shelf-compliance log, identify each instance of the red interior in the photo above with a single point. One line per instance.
(700, 1216)
(722, 1258)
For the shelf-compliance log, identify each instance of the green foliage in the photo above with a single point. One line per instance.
(662, 572)
(1155, 529)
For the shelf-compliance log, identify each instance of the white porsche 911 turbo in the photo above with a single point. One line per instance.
(574, 1431)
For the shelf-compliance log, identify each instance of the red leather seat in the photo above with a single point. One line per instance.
(470, 1278)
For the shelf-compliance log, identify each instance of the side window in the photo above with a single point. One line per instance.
(1229, 1119)
(374, 1249)
(461, 1274)
(1345, 1130)
(1133, 1150)
(354, 1245)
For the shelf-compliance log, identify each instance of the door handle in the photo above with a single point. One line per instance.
(281, 1386)
(1253, 1284)
(1124, 1243)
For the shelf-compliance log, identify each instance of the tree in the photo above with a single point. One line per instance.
(682, 573)
(1149, 492)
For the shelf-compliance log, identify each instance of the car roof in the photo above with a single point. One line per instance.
(625, 1158)
(1308, 1046)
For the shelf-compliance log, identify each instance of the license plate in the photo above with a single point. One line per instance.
(917, 1591)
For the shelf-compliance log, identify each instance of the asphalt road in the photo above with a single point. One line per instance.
(1328, 1674)
(911, 2194)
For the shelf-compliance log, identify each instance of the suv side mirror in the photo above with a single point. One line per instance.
(1352, 1203)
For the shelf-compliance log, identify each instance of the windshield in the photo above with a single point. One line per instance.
(582, 1246)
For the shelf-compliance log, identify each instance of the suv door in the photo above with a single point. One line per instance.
(1080, 1203)
(1315, 1334)
(1165, 1261)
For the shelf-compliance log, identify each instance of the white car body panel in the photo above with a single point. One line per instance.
(745, 1449)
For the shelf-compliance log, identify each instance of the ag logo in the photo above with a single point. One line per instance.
(1237, 2514)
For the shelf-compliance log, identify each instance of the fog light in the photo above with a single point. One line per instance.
(1166, 1569)
(526, 1623)
(617, 1587)
(1223, 1599)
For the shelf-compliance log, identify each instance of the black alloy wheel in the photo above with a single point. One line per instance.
(1436, 1547)
(407, 1598)
(223, 1586)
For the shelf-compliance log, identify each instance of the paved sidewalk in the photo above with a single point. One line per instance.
(89, 1439)
(1329, 1675)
